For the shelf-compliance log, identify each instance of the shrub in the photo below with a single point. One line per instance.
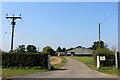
(24, 59)
(110, 57)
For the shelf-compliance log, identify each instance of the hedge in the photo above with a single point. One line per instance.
(110, 57)
(24, 59)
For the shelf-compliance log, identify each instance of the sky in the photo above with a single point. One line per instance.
(64, 24)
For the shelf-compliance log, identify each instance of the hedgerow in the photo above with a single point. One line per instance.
(24, 59)
(110, 57)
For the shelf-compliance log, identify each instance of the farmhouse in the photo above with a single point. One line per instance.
(80, 52)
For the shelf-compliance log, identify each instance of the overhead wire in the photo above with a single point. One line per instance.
(26, 26)
(108, 17)
(32, 40)
(6, 31)
(111, 15)
(28, 32)
(20, 31)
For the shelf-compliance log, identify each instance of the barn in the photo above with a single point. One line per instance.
(79, 52)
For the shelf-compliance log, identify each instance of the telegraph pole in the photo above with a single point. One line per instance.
(99, 34)
(13, 23)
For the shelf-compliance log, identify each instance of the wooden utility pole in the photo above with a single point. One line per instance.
(99, 34)
(13, 18)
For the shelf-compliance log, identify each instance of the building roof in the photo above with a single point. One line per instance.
(81, 51)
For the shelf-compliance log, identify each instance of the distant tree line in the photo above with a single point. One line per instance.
(95, 46)
(60, 50)
(29, 48)
(32, 48)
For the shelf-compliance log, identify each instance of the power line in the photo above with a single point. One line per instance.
(25, 26)
(6, 31)
(28, 30)
(108, 17)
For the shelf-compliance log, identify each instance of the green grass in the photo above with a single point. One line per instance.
(61, 64)
(112, 72)
(89, 61)
(18, 72)
(109, 70)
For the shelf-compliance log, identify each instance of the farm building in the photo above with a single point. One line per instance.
(79, 52)
(60, 53)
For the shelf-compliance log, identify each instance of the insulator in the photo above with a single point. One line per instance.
(6, 14)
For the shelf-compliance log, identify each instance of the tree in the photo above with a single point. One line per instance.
(49, 49)
(64, 49)
(78, 47)
(59, 49)
(21, 48)
(96, 45)
(70, 48)
(31, 48)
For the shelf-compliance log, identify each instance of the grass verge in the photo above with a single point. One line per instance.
(18, 72)
(110, 70)
(89, 61)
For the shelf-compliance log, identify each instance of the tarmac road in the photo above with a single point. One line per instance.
(72, 69)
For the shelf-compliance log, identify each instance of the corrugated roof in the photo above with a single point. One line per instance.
(81, 50)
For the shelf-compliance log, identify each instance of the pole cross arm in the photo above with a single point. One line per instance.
(14, 18)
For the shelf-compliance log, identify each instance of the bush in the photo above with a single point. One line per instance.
(110, 57)
(24, 59)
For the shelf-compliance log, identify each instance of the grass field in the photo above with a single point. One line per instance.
(86, 60)
(89, 61)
